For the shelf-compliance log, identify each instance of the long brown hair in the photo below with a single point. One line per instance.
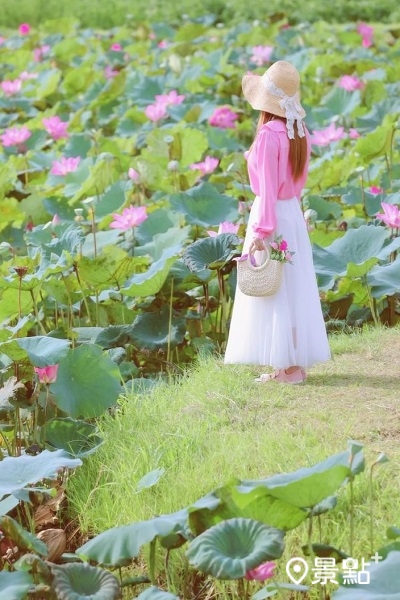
(297, 147)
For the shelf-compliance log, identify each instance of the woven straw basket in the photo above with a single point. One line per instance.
(262, 280)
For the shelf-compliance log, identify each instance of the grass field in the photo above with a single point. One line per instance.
(215, 423)
(99, 13)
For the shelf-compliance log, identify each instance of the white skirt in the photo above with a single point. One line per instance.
(286, 329)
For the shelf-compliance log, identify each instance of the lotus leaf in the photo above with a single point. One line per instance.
(88, 382)
(82, 581)
(154, 593)
(78, 438)
(234, 546)
(14, 586)
(384, 582)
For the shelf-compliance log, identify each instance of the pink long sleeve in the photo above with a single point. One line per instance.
(267, 152)
(270, 173)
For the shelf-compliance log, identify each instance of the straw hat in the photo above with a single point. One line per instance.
(277, 92)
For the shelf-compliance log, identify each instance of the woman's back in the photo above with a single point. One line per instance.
(269, 158)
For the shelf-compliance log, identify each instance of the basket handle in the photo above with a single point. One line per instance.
(250, 257)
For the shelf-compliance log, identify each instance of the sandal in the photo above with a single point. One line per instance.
(267, 377)
(281, 376)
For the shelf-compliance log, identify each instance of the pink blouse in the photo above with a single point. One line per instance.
(270, 173)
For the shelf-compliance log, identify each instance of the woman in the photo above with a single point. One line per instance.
(285, 331)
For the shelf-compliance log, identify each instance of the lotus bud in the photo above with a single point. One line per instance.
(310, 215)
(79, 214)
(173, 165)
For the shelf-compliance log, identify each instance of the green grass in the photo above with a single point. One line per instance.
(215, 423)
(99, 13)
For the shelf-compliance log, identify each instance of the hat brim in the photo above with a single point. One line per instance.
(260, 98)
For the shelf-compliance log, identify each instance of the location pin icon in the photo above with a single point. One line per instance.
(297, 569)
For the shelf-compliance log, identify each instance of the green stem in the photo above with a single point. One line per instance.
(97, 308)
(36, 311)
(170, 321)
(389, 168)
(85, 302)
(309, 533)
(152, 562)
(166, 568)
(93, 230)
(7, 445)
(371, 512)
(71, 311)
(18, 432)
(46, 403)
(351, 516)
(19, 298)
(371, 302)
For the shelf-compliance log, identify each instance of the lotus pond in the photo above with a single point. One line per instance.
(124, 197)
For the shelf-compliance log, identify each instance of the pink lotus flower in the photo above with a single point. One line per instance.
(367, 34)
(323, 137)
(262, 572)
(261, 55)
(55, 220)
(353, 134)
(11, 86)
(131, 217)
(38, 53)
(223, 117)
(171, 98)
(365, 30)
(207, 166)
(15, 136)
(390, 215)
(225, 227)
(2, 40)
(46, 374)
(132, 174)
(55, 127)
(25, 76)
(163, 44)
(366, 42)
(116, 47)
(350, 83)
(375, 190)
(155, 112)
(65, 165)
(24, 28)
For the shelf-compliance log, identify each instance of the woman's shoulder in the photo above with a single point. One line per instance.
(275, 125)
(270, 133)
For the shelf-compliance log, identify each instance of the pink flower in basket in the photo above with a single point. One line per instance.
(279, 250)
(283, 245)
